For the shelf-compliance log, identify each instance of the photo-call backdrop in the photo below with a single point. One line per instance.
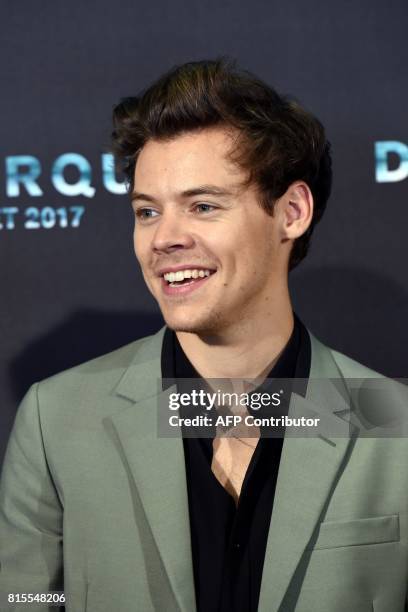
(70, 285)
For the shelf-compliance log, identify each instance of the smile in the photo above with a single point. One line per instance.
(185, 281)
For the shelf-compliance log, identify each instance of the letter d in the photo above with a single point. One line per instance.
(382, 172)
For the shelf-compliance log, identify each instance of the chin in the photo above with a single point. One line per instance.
(191, 327)
(209, 324)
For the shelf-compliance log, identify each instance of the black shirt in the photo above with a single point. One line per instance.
(228, 542)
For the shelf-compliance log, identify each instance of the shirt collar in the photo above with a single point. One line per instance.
(293, 362)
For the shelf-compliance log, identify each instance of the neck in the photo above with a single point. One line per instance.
(248, 349)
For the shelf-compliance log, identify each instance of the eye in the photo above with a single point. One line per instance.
(145, 213)
(203, 207)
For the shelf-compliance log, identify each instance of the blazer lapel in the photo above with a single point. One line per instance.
(309, 468)
(157, 467)
(308, 472)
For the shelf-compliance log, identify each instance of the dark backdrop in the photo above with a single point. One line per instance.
(70, 285)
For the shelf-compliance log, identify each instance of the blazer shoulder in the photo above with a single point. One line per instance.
(106, 369)
(350, 368)
(328, 362)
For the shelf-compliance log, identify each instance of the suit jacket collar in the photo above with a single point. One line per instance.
(142, 379)
(309, 469)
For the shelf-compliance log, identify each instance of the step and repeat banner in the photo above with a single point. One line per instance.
(70, 284)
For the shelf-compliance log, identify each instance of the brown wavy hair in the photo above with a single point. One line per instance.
(278, 142)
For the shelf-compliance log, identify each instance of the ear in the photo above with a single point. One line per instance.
(296, 210)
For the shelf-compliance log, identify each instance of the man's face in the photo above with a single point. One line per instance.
(193, 215)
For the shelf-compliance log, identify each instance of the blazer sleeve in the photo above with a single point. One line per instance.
(30, 511)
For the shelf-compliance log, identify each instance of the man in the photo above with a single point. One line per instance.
(228, 180)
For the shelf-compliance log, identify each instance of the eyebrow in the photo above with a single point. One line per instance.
(188, 193)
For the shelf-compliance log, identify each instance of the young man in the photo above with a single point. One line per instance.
(228, 180)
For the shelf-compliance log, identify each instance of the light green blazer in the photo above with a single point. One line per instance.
(90, 491)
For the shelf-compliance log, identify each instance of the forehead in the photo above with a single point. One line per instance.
(187, 160)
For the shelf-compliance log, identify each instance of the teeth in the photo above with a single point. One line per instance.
(172, 277)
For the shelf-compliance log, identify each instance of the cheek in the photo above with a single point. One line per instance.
(255, 253)
(140, 247)
(135, 240)
(136, 249)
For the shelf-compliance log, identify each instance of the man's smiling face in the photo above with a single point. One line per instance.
(192, 214)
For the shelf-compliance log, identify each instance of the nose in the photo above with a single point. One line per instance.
(171, 233)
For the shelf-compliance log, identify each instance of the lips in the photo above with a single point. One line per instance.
(185, 286)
